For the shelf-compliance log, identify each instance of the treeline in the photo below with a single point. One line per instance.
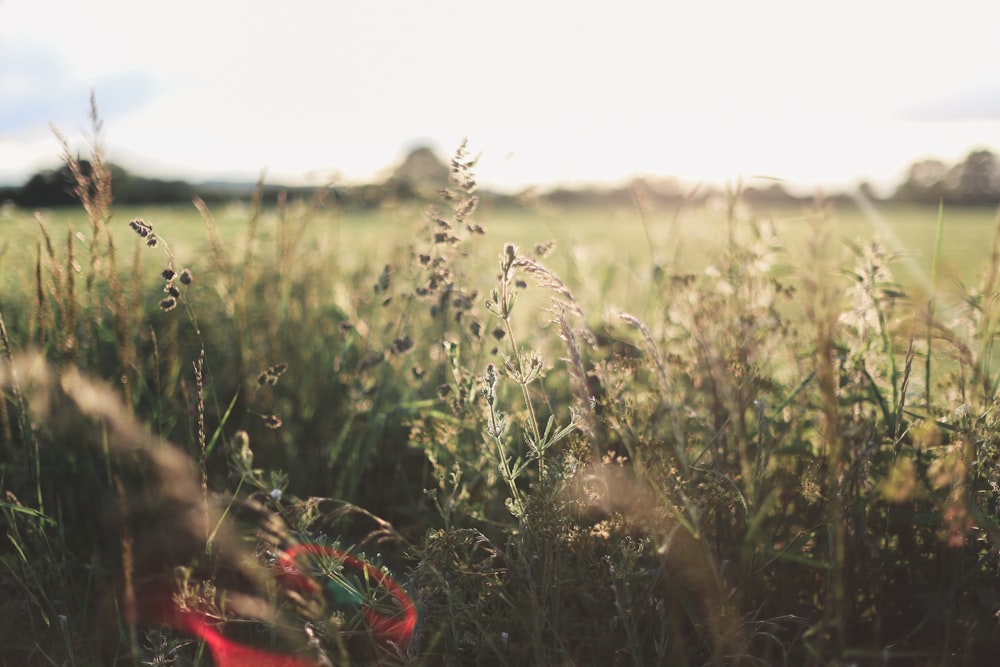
(54, 187)
(974, 181)
(420, 176)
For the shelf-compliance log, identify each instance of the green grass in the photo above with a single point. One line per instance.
(355, 239)
(678, 437)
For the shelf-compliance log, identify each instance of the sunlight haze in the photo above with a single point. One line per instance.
(814, 94)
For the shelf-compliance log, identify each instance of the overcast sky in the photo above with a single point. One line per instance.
(810, 92)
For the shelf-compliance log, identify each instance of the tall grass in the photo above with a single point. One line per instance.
(765, 459)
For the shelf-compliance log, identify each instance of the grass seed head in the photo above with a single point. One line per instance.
(403, 344)
(141, 227)
(271, 421)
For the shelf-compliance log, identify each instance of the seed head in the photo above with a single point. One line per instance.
(384, 280)
(186, 277)
(403, 344)
(489, 384)
(141, 227)
(545, 249)
(271, 421)
(271, 375)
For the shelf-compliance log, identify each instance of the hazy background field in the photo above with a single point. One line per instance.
(621, 239)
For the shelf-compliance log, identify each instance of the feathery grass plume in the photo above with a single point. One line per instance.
(92, 186)
(440, 275)
(93, 189)
(680, 441)
(56, 297)
(546, 279)
(12, 385)
(43, 323)
(69, 343)
(578, 379)
(55, 269)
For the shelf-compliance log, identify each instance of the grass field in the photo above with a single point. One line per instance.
(702, 435)
(606, 239)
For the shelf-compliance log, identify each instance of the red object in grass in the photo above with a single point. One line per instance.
(228, 653)
(396, 629)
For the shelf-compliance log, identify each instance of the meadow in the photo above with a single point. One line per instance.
(703, 435)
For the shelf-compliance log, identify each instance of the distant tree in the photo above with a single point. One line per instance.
(131, 189)
(924, 182)
(52, 187)
(975, 180)
(422, 173)
(55, 188)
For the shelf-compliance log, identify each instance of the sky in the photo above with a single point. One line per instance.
(817, 94)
